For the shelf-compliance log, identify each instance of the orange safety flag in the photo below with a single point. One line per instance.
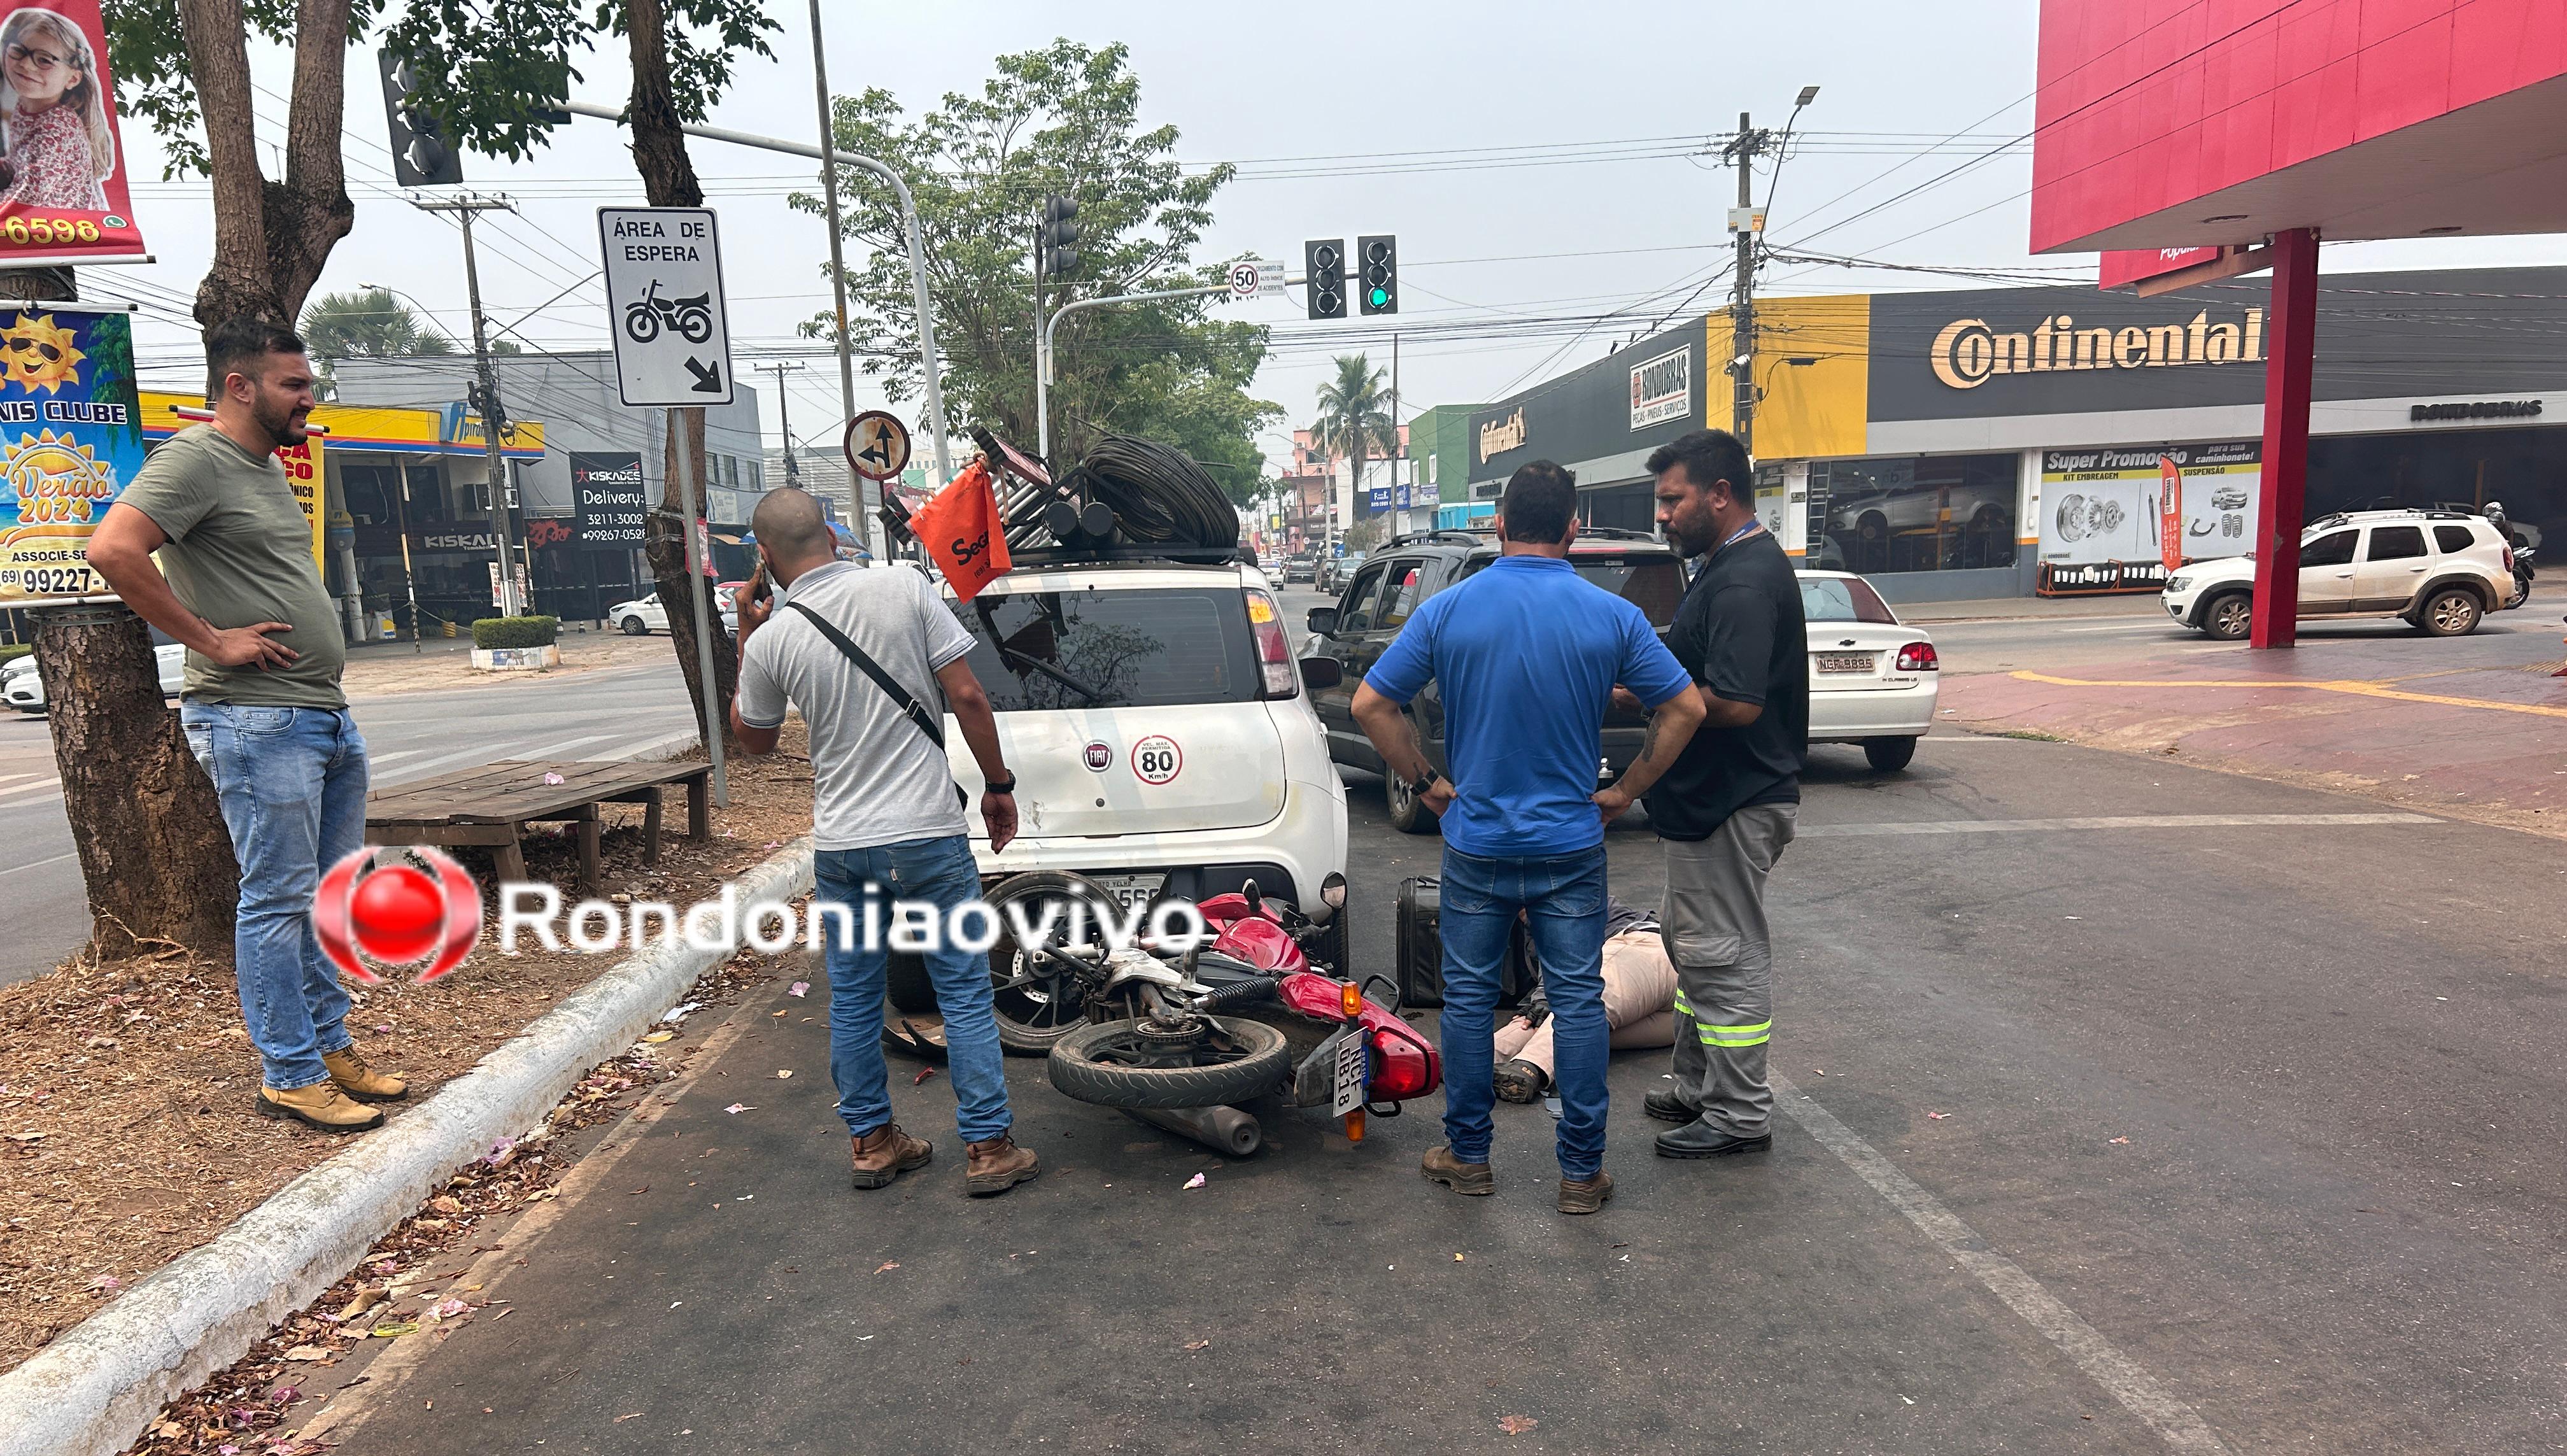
(2169, 512)
(961, 529)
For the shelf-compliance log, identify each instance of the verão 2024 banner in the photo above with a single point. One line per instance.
(63, 193)
(71, 439)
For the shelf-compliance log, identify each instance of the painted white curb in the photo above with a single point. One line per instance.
(93, 1390)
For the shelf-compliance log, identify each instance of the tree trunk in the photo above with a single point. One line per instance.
(152, 848)
(669, 181)
(271, 239)
(666, 546)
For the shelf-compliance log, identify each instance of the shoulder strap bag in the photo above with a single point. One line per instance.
(921, 718)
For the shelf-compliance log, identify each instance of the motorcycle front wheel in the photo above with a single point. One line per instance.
(641, 324)
(1099, 1062)
(1036, 1000)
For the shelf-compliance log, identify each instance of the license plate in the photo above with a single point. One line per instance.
(1130, 891)
(1847, 662)
(1350, 1075)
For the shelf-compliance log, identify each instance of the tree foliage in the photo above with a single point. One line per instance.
(146, 51)
(1064, 119)
(369, 324)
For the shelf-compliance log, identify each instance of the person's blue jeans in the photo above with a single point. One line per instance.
(1562, 897)
(292, 781)
(939, 872)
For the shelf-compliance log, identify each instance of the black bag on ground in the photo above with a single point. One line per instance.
(1419, 952)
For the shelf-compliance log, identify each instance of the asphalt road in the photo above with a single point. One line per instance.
(2121, 1118)
(603, 714)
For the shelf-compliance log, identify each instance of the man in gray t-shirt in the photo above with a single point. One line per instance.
(886, 818)
(262, 710)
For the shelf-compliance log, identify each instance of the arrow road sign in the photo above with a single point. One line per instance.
(877, 446)
(664, 305)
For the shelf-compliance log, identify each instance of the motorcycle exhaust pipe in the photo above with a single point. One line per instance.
(1221, 1129)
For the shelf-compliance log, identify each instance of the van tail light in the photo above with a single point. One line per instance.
(1919, 657)
(2508, 560)
(1274, 652)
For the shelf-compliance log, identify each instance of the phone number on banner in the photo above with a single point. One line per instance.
(48, 581)
(25, 231)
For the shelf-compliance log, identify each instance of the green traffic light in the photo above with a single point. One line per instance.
(1379, 296)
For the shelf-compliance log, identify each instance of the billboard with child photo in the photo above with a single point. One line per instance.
(63, 189)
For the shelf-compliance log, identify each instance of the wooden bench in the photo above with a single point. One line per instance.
(489, 806)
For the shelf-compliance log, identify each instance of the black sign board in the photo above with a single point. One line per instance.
(607, 493)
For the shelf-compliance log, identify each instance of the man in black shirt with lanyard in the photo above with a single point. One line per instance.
(1728, 805)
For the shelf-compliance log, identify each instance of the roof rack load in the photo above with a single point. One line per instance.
(1130, 499)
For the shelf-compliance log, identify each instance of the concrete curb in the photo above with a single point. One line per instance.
(95, 1389)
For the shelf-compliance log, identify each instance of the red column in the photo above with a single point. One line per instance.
(2291, 334)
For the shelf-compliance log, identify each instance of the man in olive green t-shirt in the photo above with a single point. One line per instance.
(262, 710)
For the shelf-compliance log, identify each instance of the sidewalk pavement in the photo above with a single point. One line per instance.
(2006, 609)
(2476, 740)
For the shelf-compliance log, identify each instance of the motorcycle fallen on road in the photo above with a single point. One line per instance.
(1178, 1039)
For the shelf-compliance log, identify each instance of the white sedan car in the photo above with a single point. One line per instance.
(25, 692)
(1873, 680)
(641, 615)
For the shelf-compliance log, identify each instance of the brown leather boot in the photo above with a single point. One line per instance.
(1474, 1180)
(1585, 1196)
(349, 1070)
(887, 1152)
(996, 1166)
(320, 1105)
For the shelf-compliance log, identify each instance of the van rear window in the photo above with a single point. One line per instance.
(1154, 648)
(1654, 582)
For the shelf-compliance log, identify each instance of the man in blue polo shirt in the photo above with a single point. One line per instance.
(1528, 654)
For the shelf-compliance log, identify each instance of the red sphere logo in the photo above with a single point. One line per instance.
(421, 905)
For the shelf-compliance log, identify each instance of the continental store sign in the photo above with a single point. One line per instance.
(1969, 352)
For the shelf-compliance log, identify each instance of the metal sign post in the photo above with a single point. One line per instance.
(672, 333)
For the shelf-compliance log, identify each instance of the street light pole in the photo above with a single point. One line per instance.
(838, 285)
(1749, 144)
(935, 373)
(1043, 356)
(784, 417)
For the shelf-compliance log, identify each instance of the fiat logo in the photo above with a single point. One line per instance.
(1099, 756)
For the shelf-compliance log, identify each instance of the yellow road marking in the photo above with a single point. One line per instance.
(2354, 686)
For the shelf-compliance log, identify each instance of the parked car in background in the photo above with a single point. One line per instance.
(1874, 680)
(1382, 593)
(2442, 571)
(1300, 568)
(24, 691)
(639, 615)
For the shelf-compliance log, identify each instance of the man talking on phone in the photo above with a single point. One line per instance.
(874, 658)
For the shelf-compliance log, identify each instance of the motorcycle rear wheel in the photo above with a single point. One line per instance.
(1036, 1002)
(1077, 1072)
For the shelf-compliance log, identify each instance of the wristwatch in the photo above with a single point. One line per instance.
(1008, 787)
(1424, 782)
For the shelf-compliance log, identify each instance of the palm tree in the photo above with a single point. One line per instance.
(368, 324)
(1354, 417)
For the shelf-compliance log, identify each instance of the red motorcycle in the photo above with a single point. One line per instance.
(1178, 1039)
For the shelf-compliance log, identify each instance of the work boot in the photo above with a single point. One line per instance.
(1585, 1196)
(1699, 1139)
(1668, 1107)
(1475, 1180)
(1521, 1082)
(887, 1152)
(998, 1165)
(348, 1069)
(320, 1105)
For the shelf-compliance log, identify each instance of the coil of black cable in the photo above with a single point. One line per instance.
(1158, 493)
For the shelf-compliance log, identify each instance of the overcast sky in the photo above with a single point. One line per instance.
(1425, 118)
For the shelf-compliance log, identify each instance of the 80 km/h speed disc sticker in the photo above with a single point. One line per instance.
(1157, 760)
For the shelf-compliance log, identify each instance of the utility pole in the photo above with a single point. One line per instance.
(785, 413)
(1747, 224)
(494, 418)
(1744, 150)
(1398, 443)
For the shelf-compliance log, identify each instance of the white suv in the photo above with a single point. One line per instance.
(2439, 569)
(1162, 738)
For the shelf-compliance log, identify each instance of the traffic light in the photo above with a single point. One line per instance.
(422, 156)
(1324, 265)
(1380, 258)
(1054, 257)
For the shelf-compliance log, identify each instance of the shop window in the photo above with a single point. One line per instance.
(1929, 513)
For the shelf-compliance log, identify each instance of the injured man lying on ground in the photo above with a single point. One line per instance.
(1639, 1003)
